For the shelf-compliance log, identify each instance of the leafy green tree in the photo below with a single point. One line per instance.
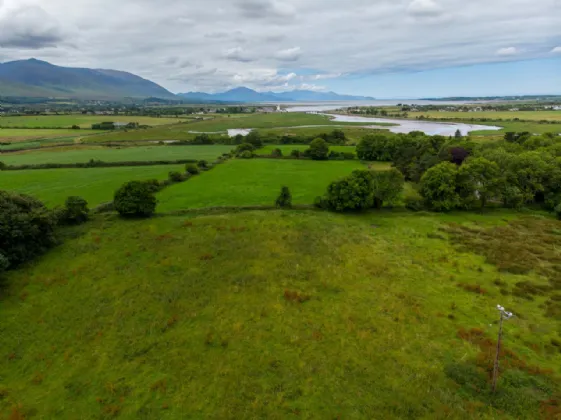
(439, 187)
(295, 153)
(254, 138)
(135, 199)
(284, 200)
(191, 169)
(530, 172)
(354, 192)
(175, 176)
(244, 147)
(371, 147)
(246, 155)
(458, 135)
(276, 153)
(386, 186)
(75, 210)
(319, 150)
(27, 229)
(2, 166)
(479, 179)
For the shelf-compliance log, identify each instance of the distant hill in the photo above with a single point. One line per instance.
(37, 78)
(243, 94)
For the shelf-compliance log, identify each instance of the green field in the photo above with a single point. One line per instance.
(495, 115)
(84, 154)
(353, 134)
(273, 315)
(255, 182)
(518, 127)
(96, 185)
(287, 148)
(16, 134)
(84, 121)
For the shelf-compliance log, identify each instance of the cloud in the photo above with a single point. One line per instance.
(556, 50)
(424, 8)
(507, 51)
(290, 54)
(237, 54)
(29, 27)
(263, 9)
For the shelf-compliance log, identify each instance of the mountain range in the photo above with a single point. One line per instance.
(36, 78)
(243, 94)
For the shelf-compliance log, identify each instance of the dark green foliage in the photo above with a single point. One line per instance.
(75, 211)
(276, 153)
(479, 180)
(27, 229)
(333, 155)
(246, 155)
(202, 139)
(295, 154)
(348, 155)
(191, 169)
(414, 203)
(95, 164)
(2, 166)
(108, 125)
(354, 192)
(203, 164)
(284, 200)
(254, 138)
(386, 186)
(135, 199)
(244, 147)
(319, 150)
(458, 135)
(439, 187)
(175, 177)
(75, 127)
(558, 211)
(154, 185)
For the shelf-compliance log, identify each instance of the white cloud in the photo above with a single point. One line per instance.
(290, 54)
(237, 54)
(424, 8)
(507, 51)
(556, 50)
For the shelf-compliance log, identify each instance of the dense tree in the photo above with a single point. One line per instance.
(439, 187)
(354, 192)
(254, 138)
(276, 153)
(479, 179)
(284, 200)
(175, 176)
(319, 150)
(458, 135)
(75, 210)
(27, 229)
(135, 199)
(191, 169)
(372, 147)
(386, 186)
(244, 147)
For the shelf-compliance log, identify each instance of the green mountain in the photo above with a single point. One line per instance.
(35, 78)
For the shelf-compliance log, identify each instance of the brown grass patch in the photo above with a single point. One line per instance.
(474, 288)
(294, 296)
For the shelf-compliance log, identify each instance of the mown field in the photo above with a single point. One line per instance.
(84, 154)
(96, 185)
(495, 115)
(255, 182)
(84, 121)
(280, 315)
(16, 134)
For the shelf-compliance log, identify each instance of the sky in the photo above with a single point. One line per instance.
(380, 48)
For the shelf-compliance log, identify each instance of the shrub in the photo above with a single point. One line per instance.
(295, 153)
(284, 200)
(75, 127)
(319, 150)
(414, 203)
(135, 199)
(175, 176)
(2, 166)
(348, 155)
(154, 185)
(334, 155)
(191, 169)
(276, 153)
(203, 164)
(75, 211)
(27, 228)
(246, 155)
(353, 192)
(244, 147)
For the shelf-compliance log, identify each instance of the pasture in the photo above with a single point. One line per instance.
(494, 115)
(273, 315)
(96, 185)
(19, 135)
(254, 182)
(113, 154)
(287, 148)
(84, 121)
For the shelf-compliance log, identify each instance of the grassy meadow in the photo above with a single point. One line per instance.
(255, 182)
(96, 185)
(19, 135)
(84, 121)
(287, 148)
(84, 154)
(495, 115)
(276, 315)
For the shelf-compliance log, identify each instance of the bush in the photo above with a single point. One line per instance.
(353, 192)
(276, 153)
(284, 200)
(75, 127)
(191, 169)
(319, 150)
(246, 155)
(135, 199)
(348, 155)
(244, 147)
(27, 229)
(414, 203)
(154, 185)
(175, 176)
(75, 211)
(2, 166)
(203, 164)
(295, 154)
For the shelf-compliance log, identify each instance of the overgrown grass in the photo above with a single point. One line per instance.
(353, 134)
(253, 182)
(270, 315)
(96, 185)
(113, 154)
(287, 148)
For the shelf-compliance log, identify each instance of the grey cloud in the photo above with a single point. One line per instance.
(261, 9)
(237, 54)
(29, 27)
(290, 54)
(424, 8)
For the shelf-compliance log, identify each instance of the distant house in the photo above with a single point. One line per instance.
(120, 125)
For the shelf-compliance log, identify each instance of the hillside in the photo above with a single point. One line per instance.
(243, 94)
(35, 78)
